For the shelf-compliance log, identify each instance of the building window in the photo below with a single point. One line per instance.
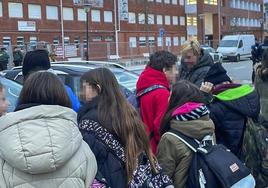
(150, 19)
(132, 42)
(20, 41)
(131, 17)
(1, 9)
(167, 20)
(174, 2)
(96, 39)
(159, 41)
(142, 41)
(34, 11)
(159, 1)
(82, 15)
(33, 41)
(68, 14)
(175, 41)
(175, 20)
(77, 41)
(95, 16)
(84, 42)
(223, 20)
(56, 41)
(6, 41)
(141, 18)
(211, 2)
(181, 2)
(108, 16)
(182, 20)
(109, 39)
(183, 40)
(191, 2)
(168, 41)
(191, 20)
(66, 40)
(15, 10)
(167, 1)
(52, 12)
(151, 41)
(159, 20)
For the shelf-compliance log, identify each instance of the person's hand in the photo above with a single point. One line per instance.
(206, 87)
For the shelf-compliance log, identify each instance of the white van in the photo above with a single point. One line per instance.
(233, 47)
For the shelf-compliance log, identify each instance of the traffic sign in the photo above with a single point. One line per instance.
(161, 32)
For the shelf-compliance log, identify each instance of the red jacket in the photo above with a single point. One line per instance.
(153, 105)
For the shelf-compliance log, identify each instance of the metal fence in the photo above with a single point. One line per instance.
(127, 52)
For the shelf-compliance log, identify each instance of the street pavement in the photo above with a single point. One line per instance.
(239, 71)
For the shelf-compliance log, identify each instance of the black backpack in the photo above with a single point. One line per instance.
(214, 166)
(134, 99)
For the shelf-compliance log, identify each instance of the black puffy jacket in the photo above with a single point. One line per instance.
(109, 166)
(229, 112)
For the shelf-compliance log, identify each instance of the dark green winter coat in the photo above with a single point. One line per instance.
(4, 57)
(174, 156)
(255, 145)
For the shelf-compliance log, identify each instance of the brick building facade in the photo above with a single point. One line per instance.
(216, 18)
(27, 21)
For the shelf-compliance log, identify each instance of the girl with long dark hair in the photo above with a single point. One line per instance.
(113, 129)
(187, 114)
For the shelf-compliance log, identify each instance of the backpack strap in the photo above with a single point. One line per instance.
(190, 142)
(149, 89)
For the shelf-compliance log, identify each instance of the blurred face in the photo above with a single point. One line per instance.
(88, 92)
(171, 74)
(190, 59)
(3, 102)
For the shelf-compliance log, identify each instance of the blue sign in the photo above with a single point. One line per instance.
(161, 32)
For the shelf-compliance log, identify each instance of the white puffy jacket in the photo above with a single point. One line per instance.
(41, 147)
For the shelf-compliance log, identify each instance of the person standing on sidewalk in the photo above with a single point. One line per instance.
(4, 57)
(194, 63)
(17, 56)
(160, 71)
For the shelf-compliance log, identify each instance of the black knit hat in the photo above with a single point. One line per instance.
(35, 60)
(217, 74)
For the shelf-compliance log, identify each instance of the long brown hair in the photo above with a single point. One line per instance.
(119, 117)
(44, 88)
(262, 71)
(182, 92)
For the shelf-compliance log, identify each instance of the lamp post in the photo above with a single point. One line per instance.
(86, 4)
(202, 17)
(87, 10)
(261, 22)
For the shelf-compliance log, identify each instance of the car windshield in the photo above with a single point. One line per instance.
(12, 90)
(126, 80)
(228, 43)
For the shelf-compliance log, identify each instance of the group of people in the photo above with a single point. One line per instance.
(4, 57)
(109, 143)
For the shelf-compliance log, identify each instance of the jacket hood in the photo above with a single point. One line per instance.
(186, 108)
(39, 139)
(243, 99)
(205, 60)
(197, 129)
(151, 77)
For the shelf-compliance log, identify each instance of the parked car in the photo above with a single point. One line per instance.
(12, 90)
(216, 56)
(233, 47)
(70, 74)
